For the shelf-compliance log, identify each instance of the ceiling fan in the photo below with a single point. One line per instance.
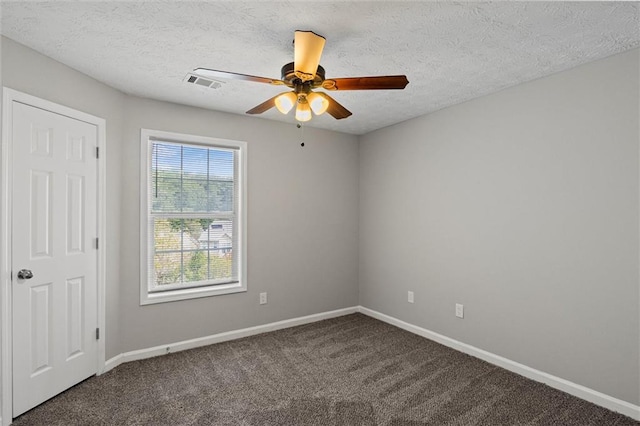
(304, 75)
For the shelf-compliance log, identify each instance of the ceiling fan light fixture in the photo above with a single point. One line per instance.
(303, 111)
(285, 102)
(318, 103)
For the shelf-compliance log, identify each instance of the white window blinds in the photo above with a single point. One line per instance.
(192, 221)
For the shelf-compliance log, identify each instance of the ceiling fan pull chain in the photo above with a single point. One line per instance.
(301, 127)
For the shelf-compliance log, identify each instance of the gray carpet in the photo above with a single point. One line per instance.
(352, 370)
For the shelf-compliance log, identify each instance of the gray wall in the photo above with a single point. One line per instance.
(302, 226)
(30, 72)
(523, 206)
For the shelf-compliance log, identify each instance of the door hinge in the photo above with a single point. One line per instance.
(97, 334)
(97, 152)
(97, 243)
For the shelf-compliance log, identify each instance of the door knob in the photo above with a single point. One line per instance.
(25, 274)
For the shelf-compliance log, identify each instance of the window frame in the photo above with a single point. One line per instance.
(147, 137)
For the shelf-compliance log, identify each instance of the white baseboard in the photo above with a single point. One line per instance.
(222, 337)
(571, 388)
(111, 363)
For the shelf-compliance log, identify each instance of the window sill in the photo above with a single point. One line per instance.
(147, 298)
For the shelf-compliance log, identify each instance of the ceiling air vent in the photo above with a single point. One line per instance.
(196, 79)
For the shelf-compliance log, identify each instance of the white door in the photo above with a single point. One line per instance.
(54, 229)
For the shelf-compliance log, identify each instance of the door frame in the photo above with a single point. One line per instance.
(9, 96)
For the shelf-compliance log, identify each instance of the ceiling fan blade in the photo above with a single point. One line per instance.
(366, 83)
(307, 51)
(204, 72)
(336, 110)
(265, 106)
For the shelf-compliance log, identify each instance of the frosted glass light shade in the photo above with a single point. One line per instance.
(318, 103)
(285, 102)
(303, 112)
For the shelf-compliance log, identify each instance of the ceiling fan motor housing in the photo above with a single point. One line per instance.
(288, 75)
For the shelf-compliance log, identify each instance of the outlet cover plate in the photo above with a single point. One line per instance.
(459, 310)
(410, 297)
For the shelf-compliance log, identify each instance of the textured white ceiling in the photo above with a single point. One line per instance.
(450, 52)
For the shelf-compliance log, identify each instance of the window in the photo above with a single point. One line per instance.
(192, 217)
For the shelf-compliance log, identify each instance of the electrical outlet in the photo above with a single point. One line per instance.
(263, 298)
(459, 310)
(410, 297)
